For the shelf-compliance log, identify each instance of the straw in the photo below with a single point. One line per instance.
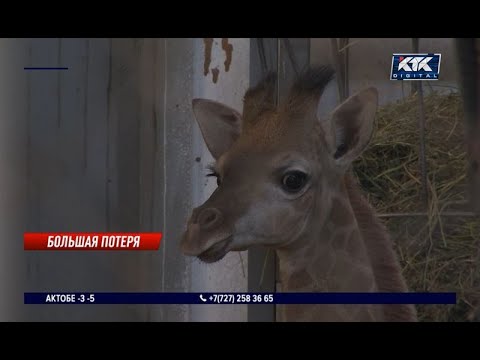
(437, 252)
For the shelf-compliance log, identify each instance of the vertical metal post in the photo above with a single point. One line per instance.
(421, 129)
(468, 53)
(340, 60)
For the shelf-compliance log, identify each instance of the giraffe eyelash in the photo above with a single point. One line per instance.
(213, 171)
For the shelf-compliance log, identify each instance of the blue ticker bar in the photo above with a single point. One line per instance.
(239, 298)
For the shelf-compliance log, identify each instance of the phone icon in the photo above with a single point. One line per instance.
(202, 298)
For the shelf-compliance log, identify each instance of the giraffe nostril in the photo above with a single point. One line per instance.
(209, 217)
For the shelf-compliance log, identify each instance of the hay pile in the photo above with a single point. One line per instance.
(437, 253)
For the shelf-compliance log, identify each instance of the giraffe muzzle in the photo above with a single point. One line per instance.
(206, 237)
(216, 252)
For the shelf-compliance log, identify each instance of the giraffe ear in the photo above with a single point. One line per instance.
(220, 125)
(351, 126)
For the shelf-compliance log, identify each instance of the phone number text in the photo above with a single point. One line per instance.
(241, 299)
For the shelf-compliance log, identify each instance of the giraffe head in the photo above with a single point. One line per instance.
(274, 164)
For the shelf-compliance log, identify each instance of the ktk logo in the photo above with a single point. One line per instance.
(415, 66)
(418, 63)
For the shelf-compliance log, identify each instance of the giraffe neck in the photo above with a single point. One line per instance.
(329, 257)
(387, 270)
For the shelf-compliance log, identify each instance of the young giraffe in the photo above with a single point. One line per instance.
(283, 183)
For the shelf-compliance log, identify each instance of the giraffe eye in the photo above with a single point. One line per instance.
(294, 181)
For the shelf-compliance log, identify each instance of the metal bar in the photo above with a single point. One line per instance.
(422, 156)
(261, 54)
(343, 53)
(415, 48)
(421, 129)
(445, 213)
(468, 52)
(338, 69)
(291, 55)
(293, 58)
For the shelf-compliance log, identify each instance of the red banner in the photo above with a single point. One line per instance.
(91, 241)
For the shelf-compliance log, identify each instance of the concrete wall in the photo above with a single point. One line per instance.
(13, 175)
(91, 167)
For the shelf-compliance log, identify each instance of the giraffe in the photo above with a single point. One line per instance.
(284, 182)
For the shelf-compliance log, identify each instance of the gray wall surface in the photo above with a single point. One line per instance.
(96, 160)
(13, 178)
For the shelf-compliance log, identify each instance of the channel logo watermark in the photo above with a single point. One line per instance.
(415, 66)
